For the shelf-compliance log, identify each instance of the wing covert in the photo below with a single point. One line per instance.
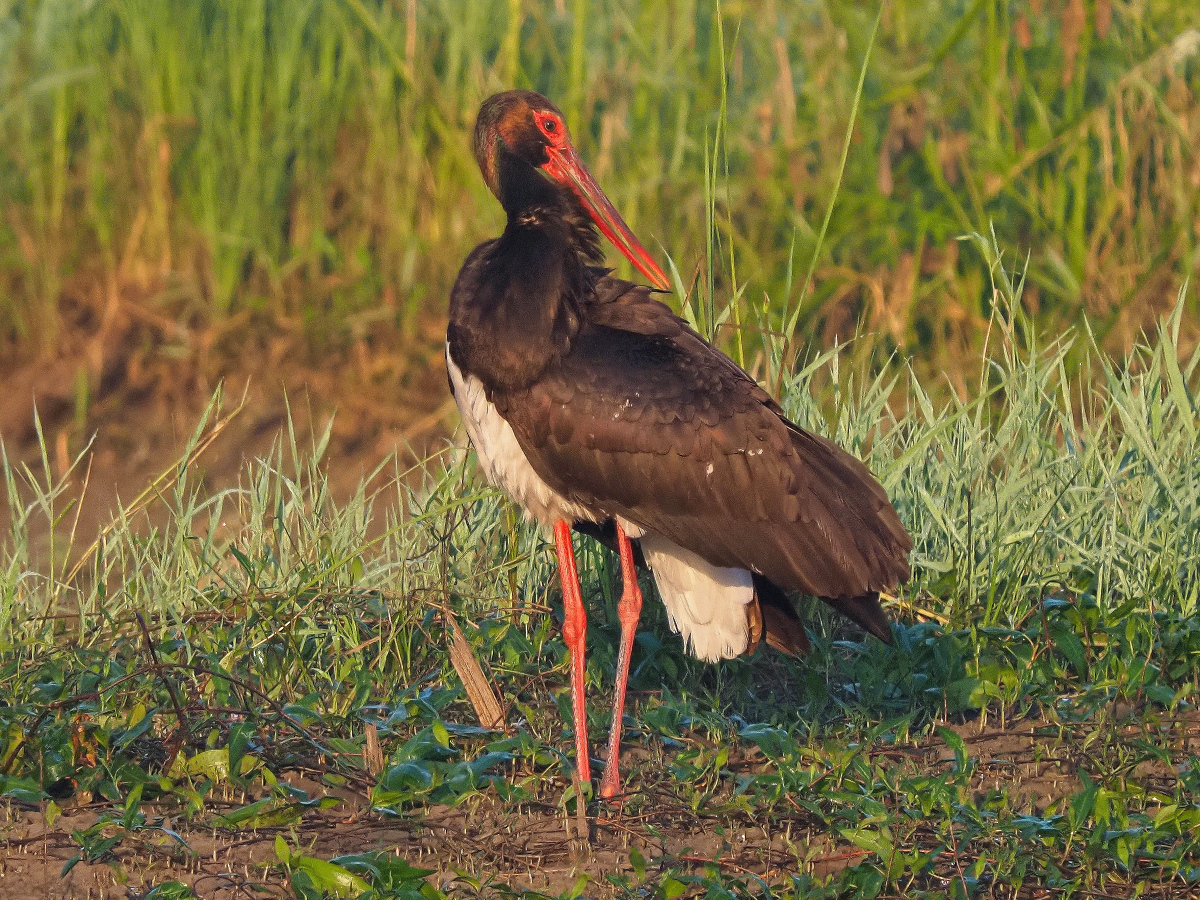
(643, 419)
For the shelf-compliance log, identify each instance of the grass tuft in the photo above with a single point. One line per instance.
(1030, 725)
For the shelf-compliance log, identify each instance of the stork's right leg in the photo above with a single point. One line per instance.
(575, 635)
(629, 610)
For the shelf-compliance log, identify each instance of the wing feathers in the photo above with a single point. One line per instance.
(784, 630)
(644, 420)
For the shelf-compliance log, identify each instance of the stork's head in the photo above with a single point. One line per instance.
(519, 130)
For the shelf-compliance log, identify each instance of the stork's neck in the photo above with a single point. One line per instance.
(533, 202)
(518, 302)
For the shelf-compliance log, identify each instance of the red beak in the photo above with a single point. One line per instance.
(565, 167)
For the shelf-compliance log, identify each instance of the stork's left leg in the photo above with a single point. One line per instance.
(629, 610)
(575, 635)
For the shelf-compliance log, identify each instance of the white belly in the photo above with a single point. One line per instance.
(501, 458)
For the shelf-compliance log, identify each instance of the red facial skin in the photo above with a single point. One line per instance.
(565, 167)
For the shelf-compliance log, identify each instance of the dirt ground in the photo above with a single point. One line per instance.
(535, 846)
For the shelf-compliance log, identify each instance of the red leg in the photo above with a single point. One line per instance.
(629, 610)
(575, 634)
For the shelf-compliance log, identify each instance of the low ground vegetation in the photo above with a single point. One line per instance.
(258, 695)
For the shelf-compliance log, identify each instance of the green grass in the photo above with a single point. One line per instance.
(1053, 604)
(310, 161)
(307, 164)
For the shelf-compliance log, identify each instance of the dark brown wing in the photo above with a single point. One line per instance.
(643, 419)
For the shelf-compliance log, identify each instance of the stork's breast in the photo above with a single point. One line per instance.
(501, 458)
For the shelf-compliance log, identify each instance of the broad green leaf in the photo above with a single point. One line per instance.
(774, 742)
(874, 840)
(672, 887)
(331, 878)
(212, 764)
(638, 862)
(1067, 642)
(170, 890)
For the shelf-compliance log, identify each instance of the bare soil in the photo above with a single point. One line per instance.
(539, 846)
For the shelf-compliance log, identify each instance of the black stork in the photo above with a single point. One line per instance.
(595, 407)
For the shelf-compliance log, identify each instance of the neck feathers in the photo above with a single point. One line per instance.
(532, 201)
(517, 304)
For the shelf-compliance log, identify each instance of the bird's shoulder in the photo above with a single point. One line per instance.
(511, 315)
(617, 303)
(634, 360)
(638, 381)
(472, 269)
